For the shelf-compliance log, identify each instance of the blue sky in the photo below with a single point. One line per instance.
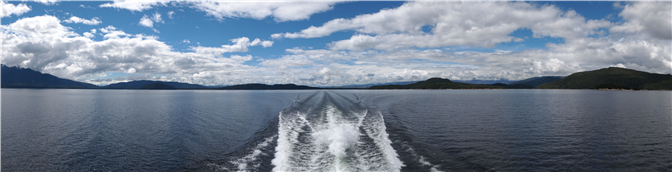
(332, 43)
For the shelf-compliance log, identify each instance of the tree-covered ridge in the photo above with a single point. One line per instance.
(17, 77)
(257, 86)
(437, 83)
(158, 85)
(612, 76)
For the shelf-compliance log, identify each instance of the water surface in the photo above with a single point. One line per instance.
(336, 130)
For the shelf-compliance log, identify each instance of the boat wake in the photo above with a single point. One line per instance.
(324, 131)
(330, 132)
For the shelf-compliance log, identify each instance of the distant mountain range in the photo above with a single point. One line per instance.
(158, 86)
(437, 83)
(267, 87)
(370, 85)
(17, 77)
(536, 81)
(503, 81)
(607, 78)
(140, 83)
(612, 77)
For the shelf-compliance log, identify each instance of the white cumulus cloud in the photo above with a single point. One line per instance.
(653, 18)
(413, 42)
(479, 24)
(11, 9)
(47, 2)
(240, 45)
(134, 5)
(170, 14)
(384, 47)
(43, 44)
(279, 11)
(75, 19)
(147, 21)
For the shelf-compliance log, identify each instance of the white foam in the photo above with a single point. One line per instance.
(288, 132)
(338, 138)
(421, 159)
(242, 163)
(375, 129)
(435, 168)
(331, 140)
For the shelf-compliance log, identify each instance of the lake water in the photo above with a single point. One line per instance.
(336, 130)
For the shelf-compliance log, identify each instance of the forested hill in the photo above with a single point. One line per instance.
(612, 77)
(437, 83)
(17, 77)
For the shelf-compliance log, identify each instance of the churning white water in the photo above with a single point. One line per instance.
(324, 132)
(330, 139)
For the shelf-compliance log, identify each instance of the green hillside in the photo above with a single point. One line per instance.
(612, 76)
(437, 83)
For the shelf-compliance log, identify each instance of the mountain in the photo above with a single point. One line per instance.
(215, 86)
(141, 83)
(437, 83)
(504, 81)
(536, 81)
(370, 85)
(17, 77)
(612, 77)
(158, 85)
(256, 86)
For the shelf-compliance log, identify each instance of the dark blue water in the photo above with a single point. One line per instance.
(338, 130)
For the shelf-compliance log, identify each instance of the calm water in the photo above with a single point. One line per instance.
(336, 130)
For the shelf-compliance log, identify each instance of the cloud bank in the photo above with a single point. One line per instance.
(280, 11)
(415, 41)
(47, 2)
(43, 44)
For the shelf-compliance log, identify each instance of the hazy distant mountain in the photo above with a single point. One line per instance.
(370, 85)
(257, 86)
(504, 81)
(141, 83)
(437, 83)
(612, 77)
(216, 86)
(16, 77)
(536, 81)
(157, 85)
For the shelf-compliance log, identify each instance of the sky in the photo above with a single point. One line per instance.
(332, 43)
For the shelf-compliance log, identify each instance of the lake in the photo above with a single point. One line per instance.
(336, 130)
